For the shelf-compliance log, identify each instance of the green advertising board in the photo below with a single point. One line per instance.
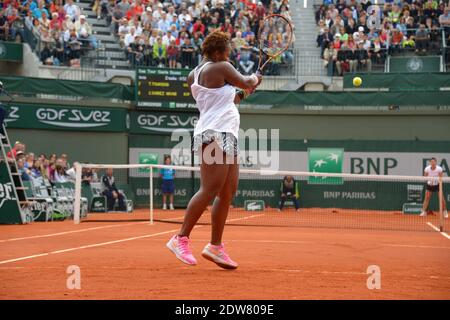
(325, 160)
(161, 122)
(11, 51)
(66, 118)
(10, 212)
(414, 64)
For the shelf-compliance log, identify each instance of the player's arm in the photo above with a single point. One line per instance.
(233, 77)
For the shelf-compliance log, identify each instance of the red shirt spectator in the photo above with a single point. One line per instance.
(198, 27)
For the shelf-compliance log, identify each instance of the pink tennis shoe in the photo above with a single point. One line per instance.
(180, 246)
(218, 255)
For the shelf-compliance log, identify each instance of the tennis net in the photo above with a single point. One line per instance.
(324, 200)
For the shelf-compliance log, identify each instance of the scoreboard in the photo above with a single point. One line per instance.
(157, 87)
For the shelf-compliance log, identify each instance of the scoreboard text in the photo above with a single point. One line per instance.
(163, 88)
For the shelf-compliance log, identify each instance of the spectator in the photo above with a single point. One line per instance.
(167, 186)
(23, 171)
(422, 38)
(70, 173)
(18, 146)
(159, 53)
(444, 21)
(16, 25)
(72, 10)
(289, 190)
(329, 59)
(4, 26)
(84, 31)
(59, 174)
(172, 54)
(111, 192)
(362, 59)
(344, 60)
(187, 54)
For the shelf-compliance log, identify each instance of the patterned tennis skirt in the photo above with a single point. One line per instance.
(226, 141)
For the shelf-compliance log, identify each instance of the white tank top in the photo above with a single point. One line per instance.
(216, 105)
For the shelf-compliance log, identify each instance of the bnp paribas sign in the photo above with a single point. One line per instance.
(67, 118)
(325, 160)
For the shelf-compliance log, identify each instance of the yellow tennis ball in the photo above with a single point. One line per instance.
(357, 81)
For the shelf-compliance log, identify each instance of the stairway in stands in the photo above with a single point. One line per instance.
(109, 55)
(309, 61)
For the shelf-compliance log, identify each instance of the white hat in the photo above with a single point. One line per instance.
(83, 17)
(361, 29)
(337, 35)
(149, 9)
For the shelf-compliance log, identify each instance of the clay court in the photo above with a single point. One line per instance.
(122, 256)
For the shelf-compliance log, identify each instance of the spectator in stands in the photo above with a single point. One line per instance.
(23, 171)
(84, 31)
(59, 174)
(167, 186)
(72, 10)
(4, 26)
(289, 190)
(29, 160)
(159, 53)
(16, 25)
(70, 173)
(422, 38)
(88, 176)
(111, 192)
(100, 7)
(444, 21)
(329, 59)
(18, 146)
(396, 41)
(116, 18)
(362, 59)
(172, 54)
(344, 60)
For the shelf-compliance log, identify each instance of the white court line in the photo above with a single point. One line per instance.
(107, 243)
(71, 231)
(88, 246)
(438, 230)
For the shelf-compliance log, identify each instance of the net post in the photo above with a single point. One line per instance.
(151, 194)
(77, 203)
(441, 199)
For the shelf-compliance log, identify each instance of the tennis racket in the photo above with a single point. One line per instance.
(274, 37)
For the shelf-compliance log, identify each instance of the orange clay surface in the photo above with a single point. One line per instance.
(122, 257)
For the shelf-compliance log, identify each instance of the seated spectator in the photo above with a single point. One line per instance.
(396, 41)
(111, 192)
(18, 146)
(159, 53)
(29, 160)
(444, 22)
(88, 176)
(344, 61)
(100, 7)
(84, 31)
(23, 171)
(245, 62)
(422, 39)
(362, 59)
(289, 190)
(72, 10)
(59, 174)
(71, 173)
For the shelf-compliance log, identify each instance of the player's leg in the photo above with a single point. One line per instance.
(215, 250)
(171, 201)
(282, 201)
(212, 177)
(425, 203)
(296, 203)
(164, 200)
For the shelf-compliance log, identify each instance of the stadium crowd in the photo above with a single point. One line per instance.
(353, 35)
(170, 33)
(164, 33)
(54, 168)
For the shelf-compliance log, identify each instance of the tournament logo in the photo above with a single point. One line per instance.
(328, 160)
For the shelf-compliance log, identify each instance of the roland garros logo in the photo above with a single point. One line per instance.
(6, 193)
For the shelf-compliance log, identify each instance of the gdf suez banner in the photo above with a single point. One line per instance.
(67, 118)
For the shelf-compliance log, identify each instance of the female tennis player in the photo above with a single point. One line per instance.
(212, 84)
